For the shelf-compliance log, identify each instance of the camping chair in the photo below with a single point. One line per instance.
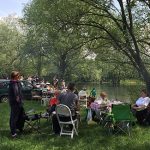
(120, 119)
(83, 98)
(101, 113)
(32, 120)
(64, 111)
(44, 101)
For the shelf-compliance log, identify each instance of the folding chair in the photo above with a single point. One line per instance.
(120, 119)
(32, 120)
(44, 101)
(45, 98)
(83, 98)
(64, 111)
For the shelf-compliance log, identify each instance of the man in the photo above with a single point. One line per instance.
(71, 100)
(16, 105)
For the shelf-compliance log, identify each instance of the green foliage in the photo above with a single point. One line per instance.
(11, 42)
(58, 35)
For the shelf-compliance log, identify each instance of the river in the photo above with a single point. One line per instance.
(125, 93)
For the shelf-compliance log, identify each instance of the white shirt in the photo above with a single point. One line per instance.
(143, 101)
(102, 101)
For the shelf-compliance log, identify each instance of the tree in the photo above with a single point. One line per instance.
(121, 26)
(11, 42)
(62, 46)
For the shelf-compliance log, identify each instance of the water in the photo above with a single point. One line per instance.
(121, 93)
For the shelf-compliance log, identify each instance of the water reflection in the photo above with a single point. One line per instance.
(122, 93)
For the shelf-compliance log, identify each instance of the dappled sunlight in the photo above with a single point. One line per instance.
(92, 136)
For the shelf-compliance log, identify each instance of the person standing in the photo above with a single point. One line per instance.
(63, 85)
(16, 105)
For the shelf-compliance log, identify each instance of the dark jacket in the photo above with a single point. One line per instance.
(14, 92)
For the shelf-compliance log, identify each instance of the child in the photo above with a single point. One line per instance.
(53, 102)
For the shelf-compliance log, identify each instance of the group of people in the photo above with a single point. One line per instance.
(141, 108)
(70, 98)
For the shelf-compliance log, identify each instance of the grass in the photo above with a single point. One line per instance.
(91, 137)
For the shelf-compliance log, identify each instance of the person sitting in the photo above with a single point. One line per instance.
(93, 92)
(63, 85)
(53, 102)
(76, 91)
(69, 99)
(90, 100)
(102, 100)
(141, 107)
(100, 104)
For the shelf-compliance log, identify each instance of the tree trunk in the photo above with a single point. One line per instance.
(144, 73)
(39, 65)
(62, 68)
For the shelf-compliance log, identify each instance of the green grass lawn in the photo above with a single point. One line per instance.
(91, 137)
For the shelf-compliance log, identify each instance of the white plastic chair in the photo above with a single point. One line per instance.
(83, 98)
(64, 111)
(45, 99)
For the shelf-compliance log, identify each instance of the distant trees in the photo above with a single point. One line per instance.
(118, 24)
(11, 42)
(82, 40)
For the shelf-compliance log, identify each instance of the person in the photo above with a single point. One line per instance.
(141, 107)
(55, 83)
(63, 84)
(29, 79)
(16, 105)
(71, 100)
(93, 92)
(100, 104)
(53, 102)
(102, 100)
(76, 91)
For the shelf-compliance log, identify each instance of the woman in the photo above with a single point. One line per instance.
(16, 105)
(102, 100)
(100, 104)
(141, 107)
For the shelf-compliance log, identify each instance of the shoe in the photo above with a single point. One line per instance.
(14, 135)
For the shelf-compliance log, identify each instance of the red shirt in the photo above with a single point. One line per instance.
(53, 101)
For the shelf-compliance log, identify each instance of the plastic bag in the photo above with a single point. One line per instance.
(89, 115)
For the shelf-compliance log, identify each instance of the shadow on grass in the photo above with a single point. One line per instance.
(91, 137)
